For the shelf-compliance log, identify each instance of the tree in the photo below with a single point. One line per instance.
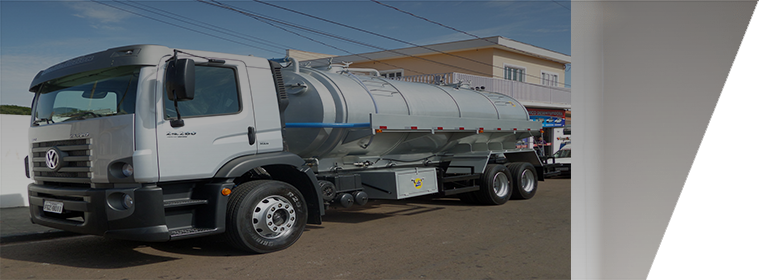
(15, 110)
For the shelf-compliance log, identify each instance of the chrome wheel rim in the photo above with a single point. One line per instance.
(273, 217)
(528, 180)
(501, 184)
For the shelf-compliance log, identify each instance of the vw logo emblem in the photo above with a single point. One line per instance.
(52, 159)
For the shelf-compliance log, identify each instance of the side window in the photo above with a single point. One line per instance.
(216, 93)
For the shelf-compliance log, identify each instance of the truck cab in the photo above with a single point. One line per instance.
(107, 156)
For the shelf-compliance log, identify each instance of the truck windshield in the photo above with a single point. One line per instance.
(94, 94)
(563, 153)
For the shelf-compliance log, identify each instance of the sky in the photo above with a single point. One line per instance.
(35, 35)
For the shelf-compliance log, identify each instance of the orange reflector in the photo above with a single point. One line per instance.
(226, 191)
(378, 130)
(482, 129)
(541, 131)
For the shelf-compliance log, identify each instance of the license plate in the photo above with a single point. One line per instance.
(53, 206)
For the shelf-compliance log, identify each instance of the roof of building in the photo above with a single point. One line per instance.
(497, 42)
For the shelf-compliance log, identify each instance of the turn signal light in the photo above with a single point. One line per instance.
(226, 191)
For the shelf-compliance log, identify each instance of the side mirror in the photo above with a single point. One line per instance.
(180, 79)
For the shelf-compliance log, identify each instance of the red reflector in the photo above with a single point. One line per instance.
(439, 128)
(461, 128)
(515, 129)
(413, 127)
(498, 128)
(383, 127)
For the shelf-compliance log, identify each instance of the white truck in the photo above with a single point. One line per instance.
(151, 143)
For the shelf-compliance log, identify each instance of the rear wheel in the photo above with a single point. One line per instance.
(495, 185)
(265, 216)
(525, 180)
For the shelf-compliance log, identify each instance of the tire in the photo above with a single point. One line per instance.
(495, 185)
(525, 180)
(265, 216)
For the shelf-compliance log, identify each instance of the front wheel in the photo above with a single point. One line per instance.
(265, 216)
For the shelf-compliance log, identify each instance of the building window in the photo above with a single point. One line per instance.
(549, 79)
(513, 73)
(392, 74)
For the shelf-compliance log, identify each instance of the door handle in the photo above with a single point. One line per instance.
(251, 135)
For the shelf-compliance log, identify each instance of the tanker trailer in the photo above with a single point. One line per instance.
(354, 126)
(151, 143)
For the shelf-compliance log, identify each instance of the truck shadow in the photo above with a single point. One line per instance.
(379, 209)
(103, 253)
(83, 252)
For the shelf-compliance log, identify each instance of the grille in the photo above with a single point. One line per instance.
(74, 160)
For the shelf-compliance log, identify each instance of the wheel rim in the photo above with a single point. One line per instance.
(528, 180)
(273, 217)
(501, 184)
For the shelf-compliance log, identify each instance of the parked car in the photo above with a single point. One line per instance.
(559, 164)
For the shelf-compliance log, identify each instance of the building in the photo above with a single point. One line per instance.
(534, 76)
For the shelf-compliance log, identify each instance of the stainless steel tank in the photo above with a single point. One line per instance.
(338, 104)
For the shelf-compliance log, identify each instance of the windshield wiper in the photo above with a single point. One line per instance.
(81, 116)
(46, 120)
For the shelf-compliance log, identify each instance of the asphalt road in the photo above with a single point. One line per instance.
(424, 238)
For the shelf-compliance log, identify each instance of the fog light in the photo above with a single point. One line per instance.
(127, 201)
(127, 170)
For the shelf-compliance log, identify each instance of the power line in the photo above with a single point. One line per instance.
(260, 17)
(215, 28)
(452, 28)
(393, 39)
(183, 27)
(557, 3)
(263, 19)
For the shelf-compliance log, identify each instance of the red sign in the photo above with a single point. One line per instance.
(546, 112)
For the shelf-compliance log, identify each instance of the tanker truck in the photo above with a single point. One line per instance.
(151, 143)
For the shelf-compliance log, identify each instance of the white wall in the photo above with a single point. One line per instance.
(13, 144)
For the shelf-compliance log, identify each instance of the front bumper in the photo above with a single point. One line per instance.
(99, 212)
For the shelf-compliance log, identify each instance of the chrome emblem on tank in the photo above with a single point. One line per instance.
(52, 159)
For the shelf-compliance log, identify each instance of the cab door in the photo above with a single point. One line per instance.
(218, 125)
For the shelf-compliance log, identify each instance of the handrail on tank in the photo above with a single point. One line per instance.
(365, 70)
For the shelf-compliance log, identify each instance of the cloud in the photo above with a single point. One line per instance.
(98, 13)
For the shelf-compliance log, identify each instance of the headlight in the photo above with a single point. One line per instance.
(127, 201)
(127, 170)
